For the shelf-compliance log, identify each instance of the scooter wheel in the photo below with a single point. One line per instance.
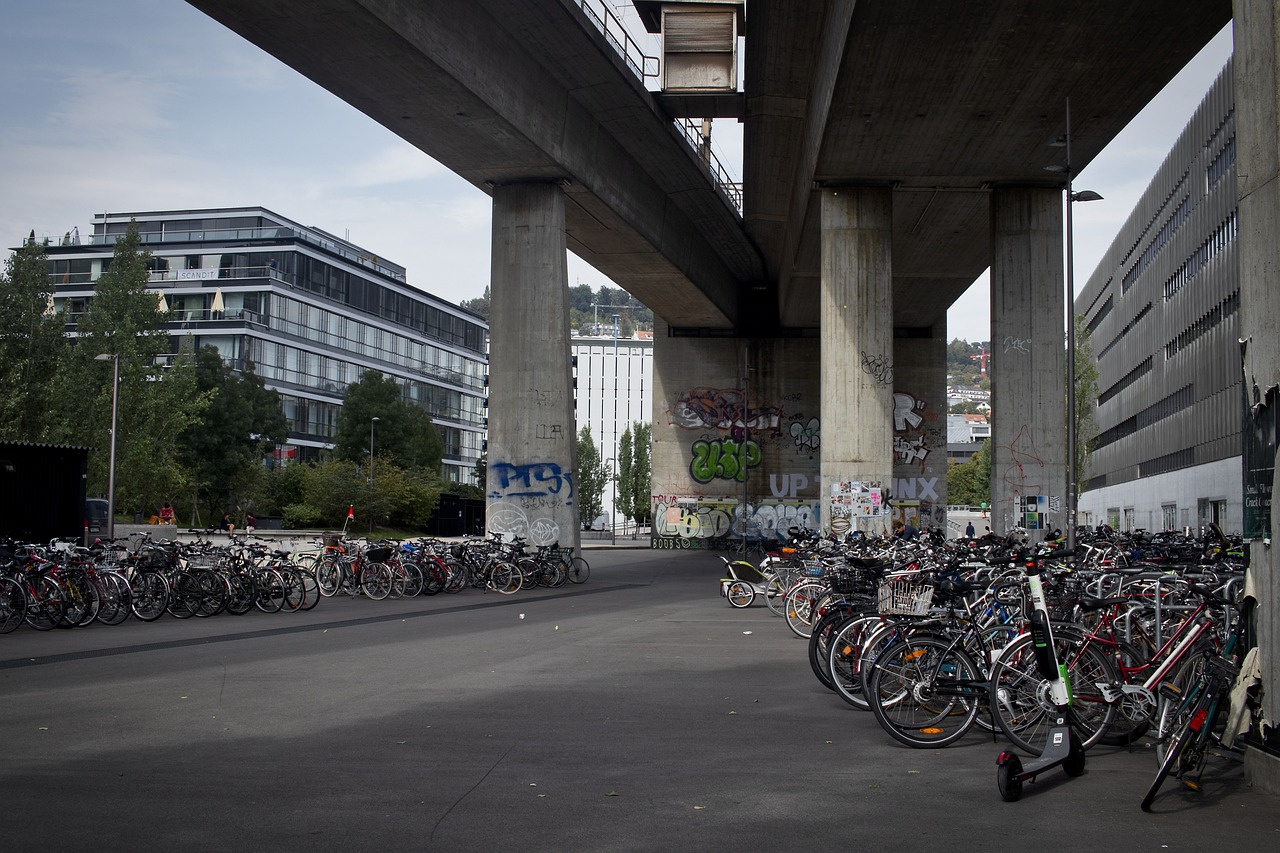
(1008, 766)
(1073, 764)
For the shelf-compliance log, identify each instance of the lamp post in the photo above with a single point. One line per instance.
(1072, 198)
(111, 464)
(613, 498)
(372, 421)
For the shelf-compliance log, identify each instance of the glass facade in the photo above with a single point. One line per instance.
(312, 313)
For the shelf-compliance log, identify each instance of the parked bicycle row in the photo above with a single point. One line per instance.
(936, 639)
(65, 586)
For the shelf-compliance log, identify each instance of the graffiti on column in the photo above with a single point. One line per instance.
(878, 367)
(1023, 478)
(808, 436)
(712, 523)
(525, 500)
(723, 410)
(724, 459)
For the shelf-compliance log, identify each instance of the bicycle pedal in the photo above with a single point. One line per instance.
(1191, 786)
(1170, 691)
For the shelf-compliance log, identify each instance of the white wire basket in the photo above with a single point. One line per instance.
(906, 595)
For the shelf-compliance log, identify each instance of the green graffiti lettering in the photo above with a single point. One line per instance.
(722, 459)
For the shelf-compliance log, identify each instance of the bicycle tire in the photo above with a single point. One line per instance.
(824, 631)
(13, 605)
(845, 655)
(799, 607)
(47, 606)
(375, 581)
(328, 571)
(579, 570)
(241, 595)
(150, 596)
(1172, 756)
(911, 694)
(268, 590)
(117, 603)
(1019, 695)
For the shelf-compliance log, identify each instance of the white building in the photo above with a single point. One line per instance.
(614, 389)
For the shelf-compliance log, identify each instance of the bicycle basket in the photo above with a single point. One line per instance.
(814, 568)
(377, 555)
(332, 540)
(905, 596)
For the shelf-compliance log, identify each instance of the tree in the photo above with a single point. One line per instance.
(634, 475)
(1086, 391)
(404, 432)
(242, 422)
(641, 475)
(32, 341)
(479, 305)
(969, 484)
(592, 477)
(623, 476)
(157, 393)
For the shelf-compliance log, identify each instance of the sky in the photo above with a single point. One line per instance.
(135, 105)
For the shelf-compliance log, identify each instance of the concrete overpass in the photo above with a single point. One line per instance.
(892, 152)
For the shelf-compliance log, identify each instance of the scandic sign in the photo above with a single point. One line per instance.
(188, 275)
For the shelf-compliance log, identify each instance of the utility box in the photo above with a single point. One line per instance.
(699, 42)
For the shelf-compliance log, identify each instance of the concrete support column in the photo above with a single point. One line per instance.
(920, 427)
(532, 451)
(857, 356)
(1028, 364)
(1257, 70)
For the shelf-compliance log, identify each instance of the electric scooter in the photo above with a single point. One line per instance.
(1063, 747)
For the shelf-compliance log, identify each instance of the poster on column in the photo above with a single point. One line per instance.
(857, 499)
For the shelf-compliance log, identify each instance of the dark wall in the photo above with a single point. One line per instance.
(457, 516)
(42, 491)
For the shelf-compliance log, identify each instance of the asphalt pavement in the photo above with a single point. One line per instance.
(637, 712)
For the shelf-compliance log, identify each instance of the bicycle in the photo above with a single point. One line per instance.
(1190, 717)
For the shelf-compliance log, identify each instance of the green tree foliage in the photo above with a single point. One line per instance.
(641, 475)
(323, 492)
(626, 462)
(158, 400)
(479, 305)
(1086, 392)
(969, 484)
(964, 364)
(242, 422)
(634, 472)
(403, 432)
(591, 479)
(32, 341)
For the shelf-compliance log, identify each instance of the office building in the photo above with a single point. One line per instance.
(311, 311)
(1162, 312)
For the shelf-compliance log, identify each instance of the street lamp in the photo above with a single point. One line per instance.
(1072, 198)
(372, 421)
(111, 464)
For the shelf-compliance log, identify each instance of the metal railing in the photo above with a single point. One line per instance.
(599, 14)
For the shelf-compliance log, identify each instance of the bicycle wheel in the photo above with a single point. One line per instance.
(13, 605)
(117, 599)
(81, 598)
(775, 595)
(241, 595)
(579, 570)
(375, 581)
(1172, 758)
(505, 578)
(924, 691)
(846, 656)
(413, 580)
(328, 571)
(268, 591)
(824, 631)
(295, 592)
(1020, 696)
(799, 607)
(150, 592)
(46, 608)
